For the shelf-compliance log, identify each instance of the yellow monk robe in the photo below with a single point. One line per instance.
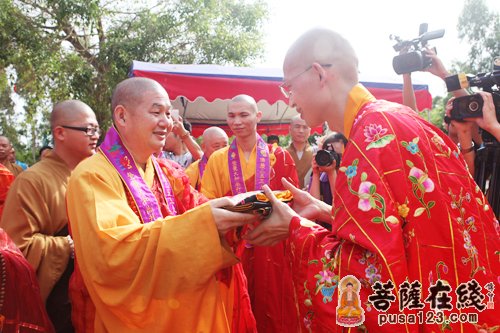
(193, 172)
(267, 272)
(34, 212)
(153, 277)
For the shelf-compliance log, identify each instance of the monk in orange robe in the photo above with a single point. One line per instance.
(147, 258)
(246, 165)
(6, 179)
(408, 221)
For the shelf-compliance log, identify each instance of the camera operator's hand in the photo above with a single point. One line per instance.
(489, 121)
(437, 68)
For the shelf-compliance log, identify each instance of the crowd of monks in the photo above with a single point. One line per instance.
(110, 234)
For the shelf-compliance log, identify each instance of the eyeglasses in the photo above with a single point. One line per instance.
(285, 87)
(89, 131)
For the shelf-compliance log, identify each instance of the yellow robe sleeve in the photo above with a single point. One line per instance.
(154, 277)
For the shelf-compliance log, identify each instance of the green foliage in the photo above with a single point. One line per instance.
(479, 27)
(59, 49)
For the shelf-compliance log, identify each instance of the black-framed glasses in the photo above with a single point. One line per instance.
(89, 131)
(285, 86)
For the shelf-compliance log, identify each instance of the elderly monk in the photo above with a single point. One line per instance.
(146, 254)
(246, 165)
(213, 138)
(35, 210)
(408, 221)
(5, 149)
(300, 149)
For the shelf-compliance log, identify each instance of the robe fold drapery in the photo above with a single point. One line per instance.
(6, 179)
(152, 277)
(13, 167)
(267, 272)
(405, 209)
(35, 213)
(21, 307)
(193, 172)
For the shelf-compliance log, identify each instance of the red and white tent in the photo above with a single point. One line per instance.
(201, 93)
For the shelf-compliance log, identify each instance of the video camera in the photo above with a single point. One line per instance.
(471, 106)
(415, 59)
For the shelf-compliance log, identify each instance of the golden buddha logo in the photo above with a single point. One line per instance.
(349, 311)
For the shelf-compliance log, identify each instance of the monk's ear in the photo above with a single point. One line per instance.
(120, 115)
(58, 133)
(320, 71)
(259, 116)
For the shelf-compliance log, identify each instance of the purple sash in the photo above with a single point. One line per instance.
(262, 167)
(202, 165)
(120, 158)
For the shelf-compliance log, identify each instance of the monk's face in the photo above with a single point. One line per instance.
(306, 92)
(242, 119)
(148, 122)
(299, 131)
(82, 145)
(4, 148)
(214, 142)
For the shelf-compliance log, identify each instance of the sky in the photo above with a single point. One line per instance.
(367, 25)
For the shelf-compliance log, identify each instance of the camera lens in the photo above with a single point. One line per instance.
(323, 157)
(473, 106)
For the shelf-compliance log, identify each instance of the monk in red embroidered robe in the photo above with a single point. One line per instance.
(148, 258)
(21, 306)
(408, 221)
(246, 165)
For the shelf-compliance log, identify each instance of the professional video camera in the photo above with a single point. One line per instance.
(326, 157)
(415, 59)
(471, 106)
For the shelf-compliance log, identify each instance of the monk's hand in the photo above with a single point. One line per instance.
(275, 228)
(305, 204)
(226, 220)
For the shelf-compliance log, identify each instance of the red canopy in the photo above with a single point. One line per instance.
(201, 93)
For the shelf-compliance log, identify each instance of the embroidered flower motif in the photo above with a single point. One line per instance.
(403, 210)
(375, 135)
(422, 179)
(326, 277)
(370, 270)
(328, 254)
(351, 171)
(373, 132)
(365, 196)
(412, 147)
(307, 322)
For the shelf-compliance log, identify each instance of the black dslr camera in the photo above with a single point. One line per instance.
(471, 106)
(326, 157)
(415, 59)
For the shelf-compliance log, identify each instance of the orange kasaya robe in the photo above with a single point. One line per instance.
(6, 179)
(154, 277)
(266, 268)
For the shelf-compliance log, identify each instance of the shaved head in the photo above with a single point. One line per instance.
(323, 46)
(213, 132)
(214, 138)
(67, 112)
(297, 120)
(129, 92)
(244, 99)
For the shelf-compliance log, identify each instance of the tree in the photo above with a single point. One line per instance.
(479, 27)
(58, 49)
